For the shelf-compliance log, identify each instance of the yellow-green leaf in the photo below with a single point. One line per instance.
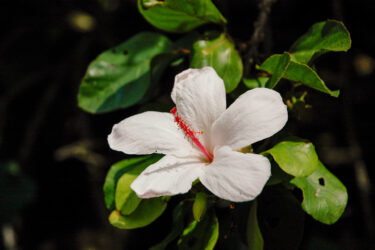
(199, 206)
(295, 158)
(147, 212)
(120, 168)
(324, 196)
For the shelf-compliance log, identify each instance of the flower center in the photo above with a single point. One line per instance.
(191, 133)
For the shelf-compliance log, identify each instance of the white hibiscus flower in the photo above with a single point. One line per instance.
(201, 139)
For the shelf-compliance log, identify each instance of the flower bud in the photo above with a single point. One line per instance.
(199, 206)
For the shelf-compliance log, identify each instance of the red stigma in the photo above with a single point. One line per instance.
(191, 133)
(174, 111)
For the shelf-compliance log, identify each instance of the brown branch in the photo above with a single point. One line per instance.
(258, 34)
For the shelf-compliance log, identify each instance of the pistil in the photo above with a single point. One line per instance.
(191, 134)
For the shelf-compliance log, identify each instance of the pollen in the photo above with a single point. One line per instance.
(190, 134)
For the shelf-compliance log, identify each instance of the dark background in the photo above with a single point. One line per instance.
(63, 151)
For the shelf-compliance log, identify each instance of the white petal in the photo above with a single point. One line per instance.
(255, 115)
(235, 176)
(148, 133)
(199, 95)
(168, 176)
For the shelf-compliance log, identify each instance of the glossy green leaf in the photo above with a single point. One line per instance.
(119, 169)
(179, 15)
(199, 206)
(296, 72)
(322, 37)
(324, 196)
(147, 212)
(177, 225)
(252, 83)
(299, 72)
(254, 236)
(278, 65)
(280, 218)
(200, 235)
(295, 158)
(219, 52)
(119, 77)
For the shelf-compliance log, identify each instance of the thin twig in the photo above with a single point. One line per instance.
(258, 34)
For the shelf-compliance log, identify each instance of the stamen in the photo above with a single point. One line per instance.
(191, 133)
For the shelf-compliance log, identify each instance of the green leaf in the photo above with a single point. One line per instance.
(119, 169)
(321, 38)
(299, 72)
(281, 219)
(200, 235)
(126, 199)
(254, 236)
(179, 15)
(324, 196)
(199, 206)
(252, 83)
(296, 72)
(147, 212)
(277, 65)
(295, 158)
(119, 77)
(178, 225)
(219, 52)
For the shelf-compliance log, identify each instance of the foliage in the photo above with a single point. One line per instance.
(179, 16)
(130, 211)
(120, 76)
(127, 75)
(324, 196)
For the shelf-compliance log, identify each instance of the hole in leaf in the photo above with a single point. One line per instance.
(321, 181)
(125, 52)
(298, 194)
(191, 242)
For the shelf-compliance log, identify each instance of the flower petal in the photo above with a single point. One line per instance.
(199, 95)
(255, 115)
(235, 176)
(168, 176)
(150, 132)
